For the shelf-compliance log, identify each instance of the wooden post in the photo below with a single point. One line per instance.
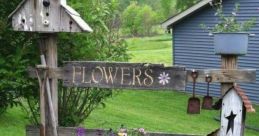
(49, 43)
(228, 62)
(42, 106)
(48, 18)
(228, 113)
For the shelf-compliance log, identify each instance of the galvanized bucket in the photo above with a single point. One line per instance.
(231, 43)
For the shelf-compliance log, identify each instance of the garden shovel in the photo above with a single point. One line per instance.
(194, 103)
(207, 100)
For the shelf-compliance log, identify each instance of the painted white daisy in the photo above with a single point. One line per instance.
(164, 78)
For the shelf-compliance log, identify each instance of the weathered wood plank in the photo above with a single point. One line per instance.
(219, 76)
(69, 131)
(48, 44)
(52, 72)
(232, 115)
(117, 75)
(228, 62)
(123, 75)
(34, 16)
(225, 76)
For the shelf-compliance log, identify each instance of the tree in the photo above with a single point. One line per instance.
(167, 8)
(184, 4)
(129, 17)
(19, 51)
(103, 44)
(146, 18)
(138, 20)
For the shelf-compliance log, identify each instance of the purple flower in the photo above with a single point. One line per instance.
(80, 132)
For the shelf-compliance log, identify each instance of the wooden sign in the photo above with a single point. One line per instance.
(225, 76)
(123, 75)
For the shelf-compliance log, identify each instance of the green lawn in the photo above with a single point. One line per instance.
(153, 110)
(157, 111)
(151, 50)
(13, 123)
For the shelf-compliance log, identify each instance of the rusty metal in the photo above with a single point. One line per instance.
(207, 100)
(247, 103)
(194, 102)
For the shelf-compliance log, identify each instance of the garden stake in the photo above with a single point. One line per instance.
(207, 100)
(194, 103)
(49, 99)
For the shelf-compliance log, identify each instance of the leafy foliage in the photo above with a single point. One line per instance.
(184, 4)
(138, 20)
(104, 43)
(17, 53)
(168, 8)
(230, 23)
(75, 104)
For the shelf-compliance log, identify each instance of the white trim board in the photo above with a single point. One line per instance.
(185, 13)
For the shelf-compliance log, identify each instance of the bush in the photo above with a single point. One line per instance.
(76, 104)
(19, 50)
(17, 53)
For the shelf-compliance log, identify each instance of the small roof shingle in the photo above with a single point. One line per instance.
(247, 103)
(241, 93)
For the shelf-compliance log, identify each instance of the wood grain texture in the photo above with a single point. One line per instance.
(225, 76)
(135, 75)
(218, 76)
(232, 103)
(124, 75)
(48, 44)
(69, 131)
(228, 62)
(42, 100)
(33, 16)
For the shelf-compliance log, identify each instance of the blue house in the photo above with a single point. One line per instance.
(193, 47)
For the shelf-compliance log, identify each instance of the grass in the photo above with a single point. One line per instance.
(13, 122)
(163, 111)
(157, 111)
(151, 49)
(153, 110)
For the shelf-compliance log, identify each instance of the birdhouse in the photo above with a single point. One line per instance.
(47, 16)
(235, 104)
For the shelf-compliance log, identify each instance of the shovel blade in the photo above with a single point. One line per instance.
(207, 103)
(194, 106)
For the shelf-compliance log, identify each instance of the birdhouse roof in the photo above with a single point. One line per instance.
(72, 14)
(77, 18)
(17, 8)
(241, 93)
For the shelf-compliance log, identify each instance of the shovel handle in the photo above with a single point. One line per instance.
(194, 75)
(208, 80)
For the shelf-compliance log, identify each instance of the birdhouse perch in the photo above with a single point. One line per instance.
(47, 16)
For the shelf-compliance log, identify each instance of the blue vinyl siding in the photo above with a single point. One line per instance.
(193, 47)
